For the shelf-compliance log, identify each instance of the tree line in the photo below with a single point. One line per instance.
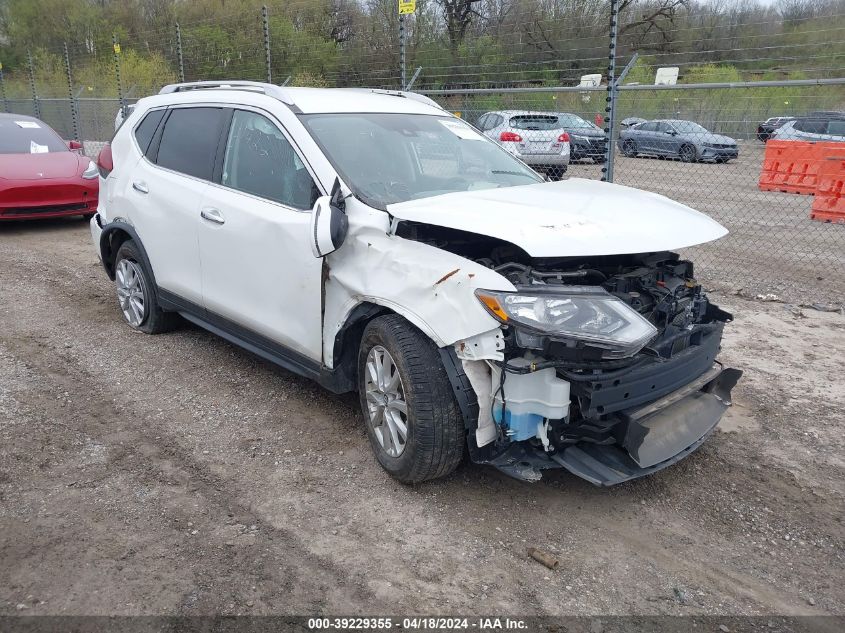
(458, 43)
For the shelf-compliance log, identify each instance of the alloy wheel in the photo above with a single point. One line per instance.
(130, 291)
(386, 406)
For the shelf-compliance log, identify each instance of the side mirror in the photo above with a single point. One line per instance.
(74, 146)
(329, 223)
(673, 133)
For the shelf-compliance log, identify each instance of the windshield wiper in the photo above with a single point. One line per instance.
(509, 173)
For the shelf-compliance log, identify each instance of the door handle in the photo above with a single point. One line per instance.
(140, 186)
(212, 215)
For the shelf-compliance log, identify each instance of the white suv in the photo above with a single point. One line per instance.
(373, 242)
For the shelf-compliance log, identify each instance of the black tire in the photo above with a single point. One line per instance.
(155, 320)
(687, 153)
(556, 172)
(629, 148)
(434, 445)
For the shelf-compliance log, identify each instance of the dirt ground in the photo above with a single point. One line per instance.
(177, 474)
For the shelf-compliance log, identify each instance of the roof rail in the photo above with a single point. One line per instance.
(250, 86)
(415, 96)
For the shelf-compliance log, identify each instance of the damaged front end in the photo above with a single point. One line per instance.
(605, 366)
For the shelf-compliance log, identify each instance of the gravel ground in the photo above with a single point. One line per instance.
(176, 474)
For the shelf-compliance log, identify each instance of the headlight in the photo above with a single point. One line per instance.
(588, 314)
(578, 137)
(91, 171)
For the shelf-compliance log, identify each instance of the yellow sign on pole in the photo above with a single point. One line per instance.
(407, 7)
(117, 49)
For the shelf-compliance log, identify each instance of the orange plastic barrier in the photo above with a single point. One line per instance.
(829, 205)
(791, 166)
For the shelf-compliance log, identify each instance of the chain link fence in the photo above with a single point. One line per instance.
(700, 147)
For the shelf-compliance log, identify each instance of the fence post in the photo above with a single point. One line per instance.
(73, 113)
(179, 53)
(116, 48)
(610, 109)
(402, 71)
(265, 18)
(3, 89)
(35, 104)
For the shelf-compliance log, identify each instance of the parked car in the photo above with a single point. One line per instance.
(536, 138)
(586, 139)
(812, 129)
(631, 120)
(42, 176)
(767, 127)
(371, 241)
(686, 140)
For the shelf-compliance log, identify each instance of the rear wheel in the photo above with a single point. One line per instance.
(413, 422)
(687, 153)
(136, 295)
(629, 148)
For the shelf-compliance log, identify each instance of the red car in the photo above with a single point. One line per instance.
(41, 176)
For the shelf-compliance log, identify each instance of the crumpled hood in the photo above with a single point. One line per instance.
(570, 218)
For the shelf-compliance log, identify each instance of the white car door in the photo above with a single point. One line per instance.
(164, 191)
(257, 267)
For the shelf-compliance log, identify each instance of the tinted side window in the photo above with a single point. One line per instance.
(482, 122)
(147, 128)
(260, 160)
(811, 126)
(836, 127)
(495, 120)
(189, 141)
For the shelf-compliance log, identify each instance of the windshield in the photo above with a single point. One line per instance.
(387, 158)
(574, 121)
(28, 136)
(688, 127)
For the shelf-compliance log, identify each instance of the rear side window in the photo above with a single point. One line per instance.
(534, 122)
(147, 128)
(811, 126)
(836, 127)
(189, 141)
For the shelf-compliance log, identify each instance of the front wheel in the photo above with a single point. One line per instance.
(687, 153)
(629, 148)
(413, 422)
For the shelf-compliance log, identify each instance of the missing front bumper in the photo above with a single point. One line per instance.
(658, 435)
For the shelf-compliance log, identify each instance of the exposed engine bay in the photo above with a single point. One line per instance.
(572, 389)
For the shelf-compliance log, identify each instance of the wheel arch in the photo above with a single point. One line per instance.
(348, 339)
(113, 236)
